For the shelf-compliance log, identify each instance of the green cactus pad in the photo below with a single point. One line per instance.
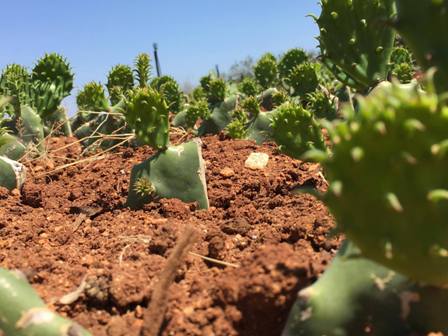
(30, 128)
(260, 129)
(119, 81)
(23, 313)
(426, 40)
(322, 104)
(390, 160)
(177, 172)
(272, 98)
(356, 296)
(357, 37)
(148, 114)
(11, 147)
(12, 173)
(194, 112)
(302, 79)
(296, 131)
(266, 71)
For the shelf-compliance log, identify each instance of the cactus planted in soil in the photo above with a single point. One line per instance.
(291, 59)
(23, 313)
(390, 159)
(296, 131)
(302, 79)
(196, 111)
(170, 90)
(174, 171)
(356, 296)
(248, 87)
(356, 37)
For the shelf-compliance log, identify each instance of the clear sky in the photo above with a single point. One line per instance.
(193, 35)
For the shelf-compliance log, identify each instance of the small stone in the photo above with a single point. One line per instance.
(227, 172)
(257, 161)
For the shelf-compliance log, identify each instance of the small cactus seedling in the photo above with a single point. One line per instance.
(216, 91)
(291, 59)
(15, 82)
(390, 159)
(356, 37)
(92, 98)
(142, 69)
(426, 40)
(296, 131)
(119, 81)
(248, 87)
(23, 313)
(302, 79)
(356, 296)
(237, 128)
(266, 71)
(251, 106)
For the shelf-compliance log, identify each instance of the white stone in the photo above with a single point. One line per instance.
(257, 161)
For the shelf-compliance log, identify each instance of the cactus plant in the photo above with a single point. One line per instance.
(425, 40)
(248, 86)
(170, 90)
(214, 89)
(291, 59)
(302, 79)
(12, 174)
(15, 82)
(142, 69)
(322, 104)
(397, 144)
(356, 296)
(402, 67)
(266, 71)
(23, 313)
(92, 98)
(272, 98)
(194, 112)
(119, 81)
(296, 131)
(174, 171)
(220, 117)
(357, 38)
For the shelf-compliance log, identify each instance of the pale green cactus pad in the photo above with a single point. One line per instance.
(356, 296)
(23, 313)
(12, 173)
(177, 172)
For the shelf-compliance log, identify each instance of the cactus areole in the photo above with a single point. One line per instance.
(389, 190)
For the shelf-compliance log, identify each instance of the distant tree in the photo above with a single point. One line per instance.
(240, 69)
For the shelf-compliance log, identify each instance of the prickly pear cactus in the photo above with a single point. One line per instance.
(266, 71)
(92, 98)
(11, 146)
(356, 296)
(390, 160)
(177, 172)
(119, 81)
(12, 174)
(214, 89)
(290, 60)
(142, 69)
(23, 313)
(295, 130)
(302, 79)
(170, 90)
(248, 87)
(426, 41)
(272, 98)
(356, 36)
(148, 113)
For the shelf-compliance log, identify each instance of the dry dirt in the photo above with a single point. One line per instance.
(71, 225)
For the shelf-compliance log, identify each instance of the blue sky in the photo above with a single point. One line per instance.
(193, 35)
